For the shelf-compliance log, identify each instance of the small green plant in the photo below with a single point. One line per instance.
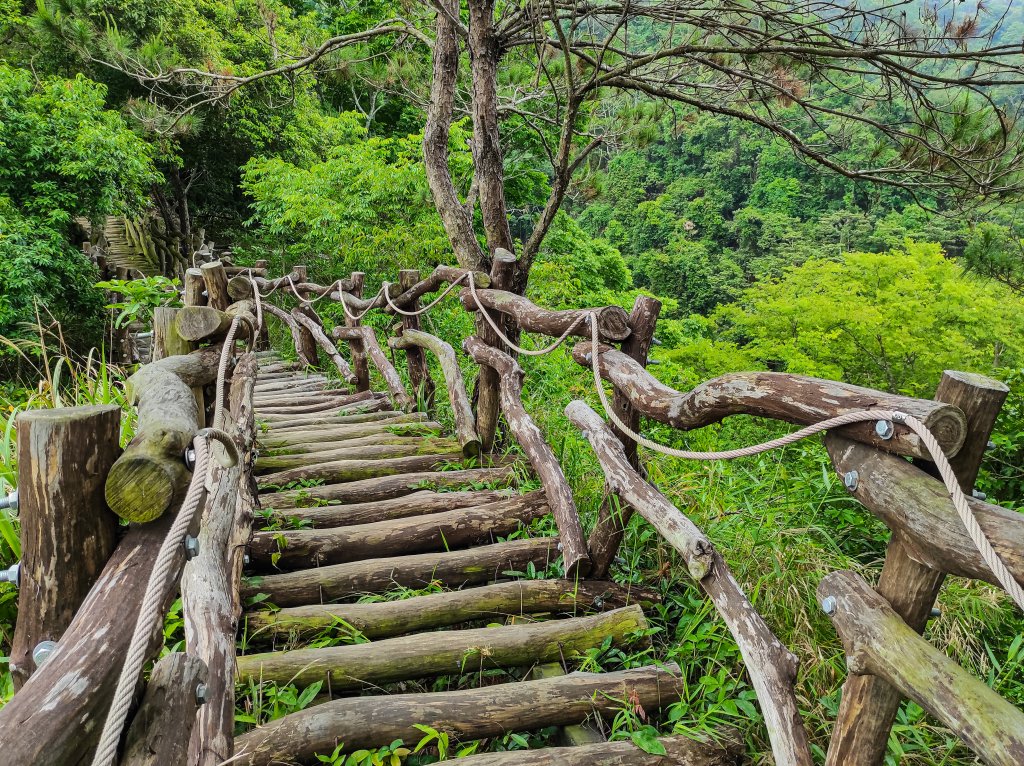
(141, 296)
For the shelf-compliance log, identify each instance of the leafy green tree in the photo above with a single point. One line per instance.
(62, 155)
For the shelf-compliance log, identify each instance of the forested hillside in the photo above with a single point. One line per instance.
(831, 191)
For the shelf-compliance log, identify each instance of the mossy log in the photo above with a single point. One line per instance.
(369, 405)
(386, 619)
(366, 336)
(780, 396)
(453, 570)
(328, 347)
(469, 714)
(396, 434)
(462, 410)
(353, 666)
(297, 409)
(353, 470)
(161, 728)
(292, 429)
(216, 280)
(772, 667)
(396, 447)
(67, 531)
(539, 453)
(150, 476)
(878, 642)
(679, 751)
(289, 401)
(446, 530)
(387, 487)
(612, 321)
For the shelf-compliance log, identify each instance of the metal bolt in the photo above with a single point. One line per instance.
(828, 605)
(990, 446)
(598, 602)
(851, 479)
(202, 694)
(245, 559)
(11, 501)
(12, 574)
(190, 458)
(936, 612)
(191, 547)
(978, 495)
(43, 651)
(885, 429)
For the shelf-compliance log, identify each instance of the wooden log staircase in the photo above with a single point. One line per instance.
(438, 598)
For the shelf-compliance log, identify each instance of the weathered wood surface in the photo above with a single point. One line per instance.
(612, 321)
(160, 730)
(606, 536)
(462, 410)
(445, 530)
(386, 619)
(309, 345)
(194, 288)
(210, 584)
(880, 643)
(438, 278)
(317, 438)
(868, 705)
(366, 336)
(397, 434)
(369, 491)
(488, 406)
(377, 448)
(351, 667)
(360, 364)
(540, 454)
(368, 722)
(781, 396)
(167, 340)
(417, 504)
(354, 470)
(422, 383)
(328, 347)
(151, 475)
(296, 332)
(364, 403)
(455, 569)
(216, 280)
(195, 323)
(67, 531)
(56, 718)
(771, 666)
(679, 751)
(916, 507)
(240, 287)
(376, 418)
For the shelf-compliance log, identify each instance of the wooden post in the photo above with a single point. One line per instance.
(67, 531)
(503, 270)
(419, 371)
(216, 280)
(606, 537)
(160, 730)
(195, 288)
(360, 367)
(869, 704)
(166, 339)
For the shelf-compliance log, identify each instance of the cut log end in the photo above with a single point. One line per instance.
(141, 489)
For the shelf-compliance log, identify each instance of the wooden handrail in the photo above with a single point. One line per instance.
(612, 321)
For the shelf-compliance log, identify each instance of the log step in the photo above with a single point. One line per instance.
(468, 714)
(452, 570)
(427, 655)
(447, 530)
(386, 619)
(381, 449)
(353, 470)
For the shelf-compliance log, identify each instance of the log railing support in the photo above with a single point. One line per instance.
(606, 537)
(503, 269)
(419, 371)
(67, 531)
(296, 332)
(878, 642)
(318, 335)
(465, 428)
(869, 704)
(539, 453)
(366, 337)
(360, 367)
(195, 288)
(771, 666)
(216, 280)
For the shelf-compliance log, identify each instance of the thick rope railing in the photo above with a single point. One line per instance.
(385, 288)
(151, 611)
(517, 348)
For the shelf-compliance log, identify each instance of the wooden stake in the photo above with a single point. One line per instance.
(67, 531)
(216, 280)
(419, 371)
(503, 268)
(869, 704)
